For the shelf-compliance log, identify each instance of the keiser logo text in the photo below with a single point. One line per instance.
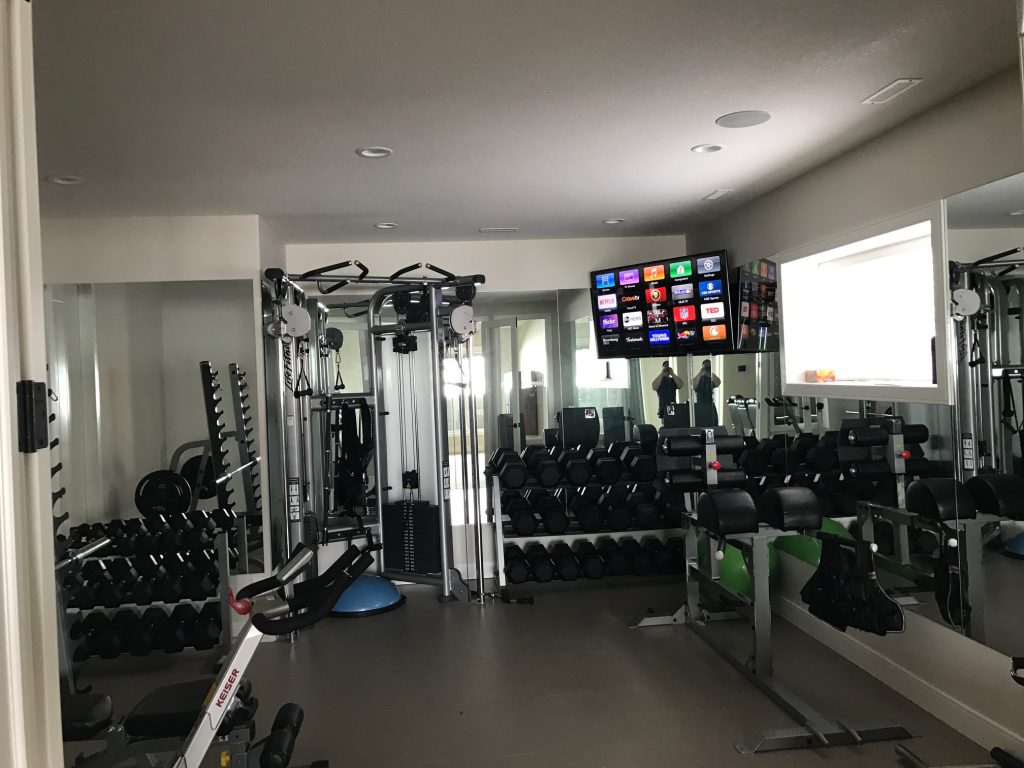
(225, 691)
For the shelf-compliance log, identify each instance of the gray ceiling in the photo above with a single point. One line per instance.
(988, 207)
(546, 115)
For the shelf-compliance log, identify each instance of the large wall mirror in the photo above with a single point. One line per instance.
(128, 398)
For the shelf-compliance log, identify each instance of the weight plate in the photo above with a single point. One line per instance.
(163, 492)
(190, 471)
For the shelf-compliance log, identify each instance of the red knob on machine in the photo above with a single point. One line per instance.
(904, 455)
(715, 465)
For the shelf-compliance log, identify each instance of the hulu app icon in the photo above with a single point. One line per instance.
(680, 269)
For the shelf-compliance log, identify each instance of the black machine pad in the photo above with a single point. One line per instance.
(790, 509)
(84, 715)
(727, 511)
(168, 712)
(1000, 495)
(940, 498)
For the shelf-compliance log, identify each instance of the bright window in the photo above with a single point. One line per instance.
(862, 315)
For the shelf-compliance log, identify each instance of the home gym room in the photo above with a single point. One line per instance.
(470, 383)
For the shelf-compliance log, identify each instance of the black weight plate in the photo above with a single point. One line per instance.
(190, 471)
(163, 493)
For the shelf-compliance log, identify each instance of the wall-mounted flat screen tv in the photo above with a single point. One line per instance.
(664, 308)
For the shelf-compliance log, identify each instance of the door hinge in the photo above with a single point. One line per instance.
(33, 416)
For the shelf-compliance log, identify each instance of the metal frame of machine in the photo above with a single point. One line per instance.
(295, 326)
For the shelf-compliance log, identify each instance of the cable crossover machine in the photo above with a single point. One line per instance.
(356, 464)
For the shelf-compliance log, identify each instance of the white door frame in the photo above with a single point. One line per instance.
(29, 695)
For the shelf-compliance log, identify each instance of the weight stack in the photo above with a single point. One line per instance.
(412, 537)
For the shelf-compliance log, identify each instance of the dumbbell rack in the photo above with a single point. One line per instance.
(65, 642)
(572, 535)
(251, 476)
(212, 399)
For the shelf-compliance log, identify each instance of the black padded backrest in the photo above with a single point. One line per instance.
(1000, 495)
(940, 498)
(580, 426)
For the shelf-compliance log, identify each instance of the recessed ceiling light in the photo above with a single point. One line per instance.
(707, 149)
(1016, 213)
(745, 119)
(718, 194)
(386, 225)
(614, 221)
(373, 153)
(488, 230)
(892, 90)
(66, 181)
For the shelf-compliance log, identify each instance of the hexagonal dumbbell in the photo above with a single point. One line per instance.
(510, 469)
(520, 513)
(550, 509)
(606, 469)
(542, 466)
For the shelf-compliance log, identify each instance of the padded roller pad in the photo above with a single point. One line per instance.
(84, 715)
(867, 436)
(731, 478)
(682, 445)
(790, 509)
(940, 498)
(915, 434)
(726, 511)
(1000, 495)
(731, 445)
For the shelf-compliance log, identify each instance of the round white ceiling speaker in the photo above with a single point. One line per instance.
(296, 321)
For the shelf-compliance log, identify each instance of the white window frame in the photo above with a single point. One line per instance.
(941, 392)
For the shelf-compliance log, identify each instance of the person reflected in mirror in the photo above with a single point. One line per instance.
(666, 384)
(705, 413)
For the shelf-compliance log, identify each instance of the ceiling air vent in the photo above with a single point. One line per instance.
(491, 230)
(892, 90)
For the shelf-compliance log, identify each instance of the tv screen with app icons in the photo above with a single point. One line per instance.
(674, 306)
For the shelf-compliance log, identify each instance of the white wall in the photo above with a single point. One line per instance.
(150, 249)
(509, 265)
(964, 143)
(969, 245)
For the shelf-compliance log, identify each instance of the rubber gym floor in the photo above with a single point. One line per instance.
(563, 682)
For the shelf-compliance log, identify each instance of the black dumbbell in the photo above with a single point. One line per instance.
(591, 562)
(566, 564)
(520, 513)
(662, 558)
(677, 548)
(111, 593)
(574, 465)
(168, 589)
(640, 563)
(551, 511)
(146, 565)
(91, 631)
(583, 503)
(540, 562)
(207, 628)
(645, 511)
(199, 585)
(511, 471)
(122, 627)
(672, 504)
(177, 632)
(606, 469)
(143, 591)
(517, 567)
(615, 561)
(542, 466)
(617, 514)
(640, 465)
(146, 635)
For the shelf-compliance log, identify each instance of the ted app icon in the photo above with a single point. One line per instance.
(713, 311)
(657, 272)
(684, 314)
(714, 333)
(656, 295)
